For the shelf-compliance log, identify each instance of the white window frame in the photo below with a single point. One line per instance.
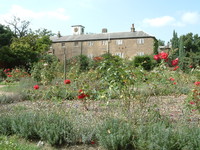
(104, 42)
(140, 53)
(119, 42)
(140, 41)
(90, 56)
(120, 54)
(90, 43)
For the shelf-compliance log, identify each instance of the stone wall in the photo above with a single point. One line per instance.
(126, 48)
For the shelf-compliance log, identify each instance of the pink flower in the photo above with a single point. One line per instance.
(174, 62)
(67, 81)
(174, 83)
(36, 87)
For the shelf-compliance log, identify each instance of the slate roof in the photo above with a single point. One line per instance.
(101, 36)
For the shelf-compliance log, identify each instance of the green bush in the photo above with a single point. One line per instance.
(46, 70)
(115, 134)
(144, 61)
(6, 125)
(2, 75)
(53, 128)
(157, 136)
(80, 63)
(11, 98)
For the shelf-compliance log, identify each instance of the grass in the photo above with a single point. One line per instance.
(16, 143)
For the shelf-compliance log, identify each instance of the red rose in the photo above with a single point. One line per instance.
(67, 81)
(174, 62)
(81, 96)
(197, 83)
(163, 55)
(9, 75)
(36, 87)
(171, 79)
(92, 142)
(156, 57)
(175, 68)
(192, 103)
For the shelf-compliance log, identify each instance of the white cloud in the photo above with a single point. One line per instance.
(159, 22)
(190, 17)
(24, 13)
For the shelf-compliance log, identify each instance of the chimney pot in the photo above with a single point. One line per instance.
(133, 28)
(104, 30)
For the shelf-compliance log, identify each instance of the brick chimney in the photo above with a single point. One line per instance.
(104, 30)
(132, 28)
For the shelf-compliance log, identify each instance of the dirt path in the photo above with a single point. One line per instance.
(4, 92)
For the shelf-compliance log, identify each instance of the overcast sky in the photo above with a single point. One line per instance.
(156, 17)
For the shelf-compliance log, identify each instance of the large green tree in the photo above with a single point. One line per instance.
(5, 36)
(24, 46)
(175, 40)
(191, 42)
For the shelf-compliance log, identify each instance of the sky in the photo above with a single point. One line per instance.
(155, 17)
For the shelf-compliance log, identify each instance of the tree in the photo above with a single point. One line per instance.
(181, 53)
(175, 40)
(161, 42)
(191, 43)
(155, 47)
(5, 36)
(20, 27)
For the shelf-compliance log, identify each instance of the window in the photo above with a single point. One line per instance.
(63, 44)
(90, 43)
(140, 41)
(90, 55)
(140, 53)
(120, 54)
(104, 42)
(75, 43)
(119, 42)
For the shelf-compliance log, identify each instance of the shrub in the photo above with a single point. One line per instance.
(45, 70)
(56, 129)
(80, 63)
(157, 136)
(11, 98)
(115, 134)
(6, 125)
(53, 128)
(2, 75)
(144, 61)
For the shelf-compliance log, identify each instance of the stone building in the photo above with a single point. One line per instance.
(123, 44)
